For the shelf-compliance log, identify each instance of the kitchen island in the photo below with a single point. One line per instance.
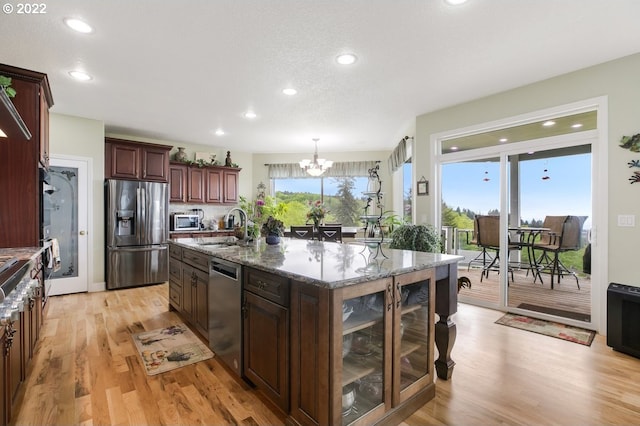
(331, 334)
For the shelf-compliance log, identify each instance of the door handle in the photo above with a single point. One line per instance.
(82, 232)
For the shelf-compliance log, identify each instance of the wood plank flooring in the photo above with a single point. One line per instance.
(86, 371)
(565, 296)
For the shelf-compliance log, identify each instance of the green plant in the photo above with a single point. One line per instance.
(5, 83)
(273, 226)
(253, 230)
(391, 220)
(416, 238)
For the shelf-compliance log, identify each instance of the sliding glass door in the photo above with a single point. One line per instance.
(534, 254)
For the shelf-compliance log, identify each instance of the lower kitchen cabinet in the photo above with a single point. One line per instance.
(362, 354)
(189, 287)
(266, 334)
(195, 293)
(5, 402)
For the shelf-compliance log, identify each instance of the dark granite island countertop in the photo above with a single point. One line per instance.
(325, 264)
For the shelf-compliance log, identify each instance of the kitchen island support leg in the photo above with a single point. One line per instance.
(445, 328)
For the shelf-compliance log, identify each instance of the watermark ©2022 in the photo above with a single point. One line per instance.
(24, 8)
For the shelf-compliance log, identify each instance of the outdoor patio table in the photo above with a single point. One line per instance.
(528, 237)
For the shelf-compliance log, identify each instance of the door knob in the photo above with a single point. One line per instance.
(82, 232)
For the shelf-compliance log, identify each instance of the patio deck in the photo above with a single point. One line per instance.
(565, 300)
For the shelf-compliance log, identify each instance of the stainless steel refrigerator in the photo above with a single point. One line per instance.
(137, 225)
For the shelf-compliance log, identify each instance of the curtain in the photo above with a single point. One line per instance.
(342, 169)
(399, 155)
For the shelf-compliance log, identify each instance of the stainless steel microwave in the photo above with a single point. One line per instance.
(184, 222)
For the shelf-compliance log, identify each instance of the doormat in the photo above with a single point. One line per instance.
(548, 328)
(169, 348)
(557, 312)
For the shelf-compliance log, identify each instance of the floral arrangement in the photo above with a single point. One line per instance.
(317, 211)
(273, 226)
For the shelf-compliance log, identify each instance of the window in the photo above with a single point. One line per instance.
(341, 195)
(407, 188)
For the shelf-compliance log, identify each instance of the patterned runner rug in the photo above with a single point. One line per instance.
(169, 348)
(548, 328)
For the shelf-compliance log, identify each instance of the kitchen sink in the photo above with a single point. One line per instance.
(218, 246)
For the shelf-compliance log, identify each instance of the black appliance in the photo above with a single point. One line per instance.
(623, 318)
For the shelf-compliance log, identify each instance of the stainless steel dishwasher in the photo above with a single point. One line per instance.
(225, 307)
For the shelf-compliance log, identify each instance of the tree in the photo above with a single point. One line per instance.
(348, 208)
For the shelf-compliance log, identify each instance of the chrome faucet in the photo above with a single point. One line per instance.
(246, 221)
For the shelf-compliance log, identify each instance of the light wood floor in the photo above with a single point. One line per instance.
(86, 371)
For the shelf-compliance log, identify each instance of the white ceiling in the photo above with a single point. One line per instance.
(179, 70)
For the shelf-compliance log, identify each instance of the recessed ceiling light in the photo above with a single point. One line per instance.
(346, 59)
(250, 114)
(80, 75)
(549, 123)
(78, 25)
(576, 126)
(289, 91)
(220, 132)
(455, 2)
(503, 140)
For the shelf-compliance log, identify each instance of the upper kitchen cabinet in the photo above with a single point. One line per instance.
(136, 161)
(20, 158)
(177, 183)
(208, 184)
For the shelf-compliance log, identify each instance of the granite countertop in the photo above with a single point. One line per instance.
(202, 231)
(23, 253)
(326, 264)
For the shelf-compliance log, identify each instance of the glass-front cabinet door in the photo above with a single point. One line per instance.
(413, 331)
(362, 380)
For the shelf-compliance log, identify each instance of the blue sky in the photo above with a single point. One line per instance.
(567, 191)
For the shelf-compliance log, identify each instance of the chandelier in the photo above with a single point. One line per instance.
(318, 166)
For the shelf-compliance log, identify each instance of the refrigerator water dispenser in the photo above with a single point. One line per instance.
(125, 222)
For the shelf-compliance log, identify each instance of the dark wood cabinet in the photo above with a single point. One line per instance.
(177, 183)
(193, 300)
(44, 126)
(214, 186)
(20, 160)
(195, 185)
(266, 334)
(14, 361)
(4, 360)
(136, 160)
(230, 186)
(209, 184)
(376, 338)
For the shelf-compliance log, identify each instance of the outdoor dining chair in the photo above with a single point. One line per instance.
(484, 257)
(564, 235)
(489, 239)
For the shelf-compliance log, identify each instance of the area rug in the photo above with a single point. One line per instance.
(169, 348)
(557, 312)
(548, 328)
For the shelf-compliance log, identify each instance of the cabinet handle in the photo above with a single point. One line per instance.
(389, 297)
(398, 295)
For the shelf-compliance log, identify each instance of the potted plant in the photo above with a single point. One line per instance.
(273, 229)
(390, 221)
(416, 238)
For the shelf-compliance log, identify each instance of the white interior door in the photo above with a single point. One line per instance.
(69, 224)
